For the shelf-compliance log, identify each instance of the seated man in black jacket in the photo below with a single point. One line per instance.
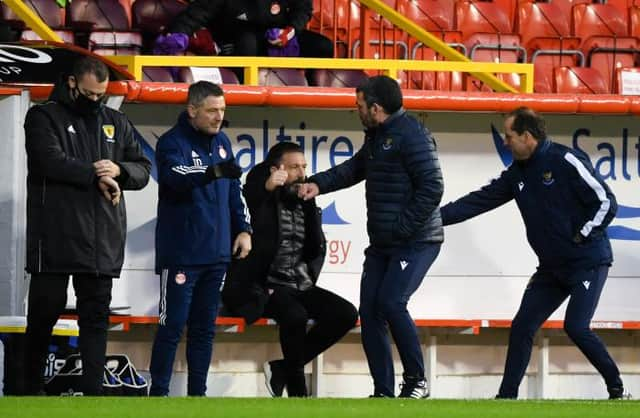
(277, 279)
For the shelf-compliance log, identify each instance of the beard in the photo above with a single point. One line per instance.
(290, 191)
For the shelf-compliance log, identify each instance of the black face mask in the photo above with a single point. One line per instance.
(86, 106)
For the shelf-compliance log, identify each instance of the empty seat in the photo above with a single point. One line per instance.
(384, 43)
(92, 15)
(50, 13)
(429, 80)
(281, 77)
(634, 21)
(567, 5)
(598, 20)
(472, 17)
(338, 78)
(605, 40)
(579, 80)
(115, 43)
(152, 17)
(155, 15)
(546, 35)
(607, 54)
(158, 74)
(215, 75)
(65, 35)
(432, 15)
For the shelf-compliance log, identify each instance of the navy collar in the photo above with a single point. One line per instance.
(392, 117)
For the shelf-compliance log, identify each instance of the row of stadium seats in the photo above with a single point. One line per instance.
(598, 36)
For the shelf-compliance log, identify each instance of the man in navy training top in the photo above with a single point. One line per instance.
(399, 164)
(201, 224)
(566, 208)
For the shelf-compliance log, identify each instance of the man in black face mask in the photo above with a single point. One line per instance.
(278, 277)
(81, 155)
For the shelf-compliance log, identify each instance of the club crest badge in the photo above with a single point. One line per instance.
(388, 143)
(109, 132)
(222, 152)
(181, 278)
(547, 178)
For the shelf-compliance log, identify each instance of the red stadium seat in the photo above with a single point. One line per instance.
(92, 15)
(472, 17)
(634, 21)
(566, 5)
(50, 13)
(151, 17)
(508, 7)
(186, 75)
(546, 35)
(158, 74)
(92, 18)
(579, 80)
(338, 78)
(598, 20)
(281, 77)
(605, 40)
(115, 43)
(623, 6)
(429, 80)
(607, 54)
(432, 15)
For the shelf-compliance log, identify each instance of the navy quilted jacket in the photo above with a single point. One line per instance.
(399, 164)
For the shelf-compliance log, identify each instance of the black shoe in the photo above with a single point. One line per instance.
(414, 388)
(274, 377)
(296, 384)
(379, 395)
(618, 393)
(499, 396)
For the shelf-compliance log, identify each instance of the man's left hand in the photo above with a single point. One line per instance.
(242, 245)
(106, 168)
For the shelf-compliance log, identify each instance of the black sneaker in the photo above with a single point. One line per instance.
(274, 377)
(416, 389)
(619, 393)
(379, 395)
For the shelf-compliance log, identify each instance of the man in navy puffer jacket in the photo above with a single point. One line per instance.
(403, 182)
(566, 208)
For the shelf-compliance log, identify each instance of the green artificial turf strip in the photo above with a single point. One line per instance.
(51, 407)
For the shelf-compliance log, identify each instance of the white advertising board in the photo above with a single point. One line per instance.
(485, 262)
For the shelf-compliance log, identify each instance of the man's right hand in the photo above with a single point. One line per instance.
(276, 179)
(226, 169)
(308, 191)
(110, 189)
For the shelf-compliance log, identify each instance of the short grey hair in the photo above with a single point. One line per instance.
(199, 91)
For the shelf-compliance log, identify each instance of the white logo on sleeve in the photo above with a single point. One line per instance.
(403, 264)
(520, 186)
(196, 159)
(586, 284)
(71, 129)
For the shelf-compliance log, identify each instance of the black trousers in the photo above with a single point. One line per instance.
(47, 300)
(333, 317)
